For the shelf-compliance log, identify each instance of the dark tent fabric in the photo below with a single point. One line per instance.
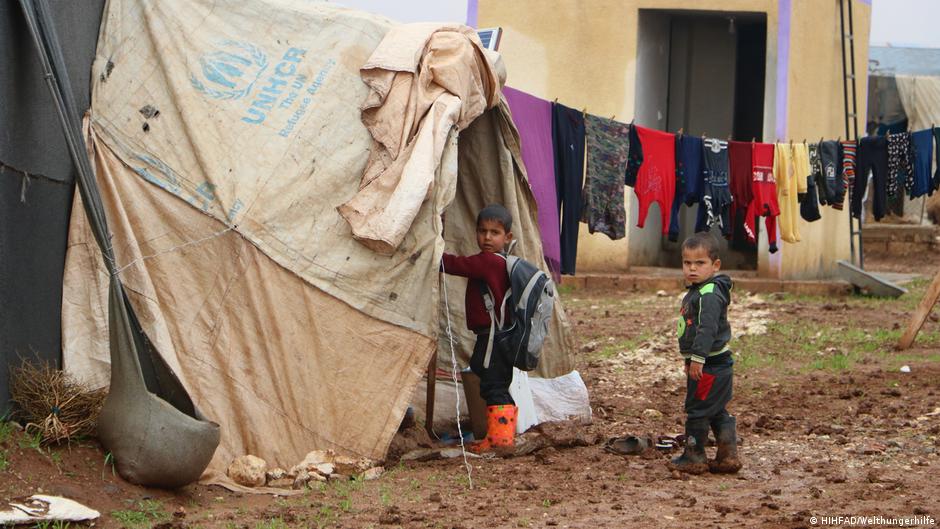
(34, 211)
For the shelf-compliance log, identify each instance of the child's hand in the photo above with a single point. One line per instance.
(695, 370)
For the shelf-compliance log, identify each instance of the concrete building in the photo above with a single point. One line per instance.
(764, 69)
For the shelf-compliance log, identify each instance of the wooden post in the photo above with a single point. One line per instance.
(920, 315)
(429, 403)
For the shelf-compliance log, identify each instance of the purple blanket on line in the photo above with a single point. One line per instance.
(533, 118)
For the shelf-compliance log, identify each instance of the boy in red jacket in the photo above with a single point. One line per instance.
(487, 271)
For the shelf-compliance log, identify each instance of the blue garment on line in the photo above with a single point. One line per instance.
(922, 141)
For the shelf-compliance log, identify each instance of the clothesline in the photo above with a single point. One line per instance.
(733, 182)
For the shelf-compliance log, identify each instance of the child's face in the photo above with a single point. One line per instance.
(697, 266)
(492, 237)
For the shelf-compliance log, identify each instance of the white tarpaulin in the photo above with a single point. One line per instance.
(225, 135)
(920, 96)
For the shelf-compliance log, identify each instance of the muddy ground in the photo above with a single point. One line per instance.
(829, 423)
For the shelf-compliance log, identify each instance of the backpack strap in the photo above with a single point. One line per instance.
(490, 305)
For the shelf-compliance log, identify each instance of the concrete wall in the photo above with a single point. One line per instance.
(585, 53)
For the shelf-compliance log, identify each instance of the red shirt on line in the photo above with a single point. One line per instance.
(489, 267)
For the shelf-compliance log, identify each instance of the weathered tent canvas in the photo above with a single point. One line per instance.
(225, 135)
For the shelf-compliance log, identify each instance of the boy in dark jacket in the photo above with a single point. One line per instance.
(494, 233)
(704, 334)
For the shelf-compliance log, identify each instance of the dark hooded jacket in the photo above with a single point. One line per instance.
(703, 327)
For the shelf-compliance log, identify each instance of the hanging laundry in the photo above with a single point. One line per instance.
(656, 180)
(872, 157)
(900, 163)
(936, 174)
(691, 160)
(809, 207)
(533, 118)
(635, 158)
(742, 167)
(716, 197)
(608, 145)
(689, 178)
(739, 153)
(568, 141)
(922, 144)
(832, 186)
(849, 152)
(790, 186)
(764, 190)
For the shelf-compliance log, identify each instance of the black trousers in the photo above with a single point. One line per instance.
(708, 397)
(568, 141)
(494, 380)
(872, 156)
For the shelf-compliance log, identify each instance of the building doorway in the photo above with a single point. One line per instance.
(703, 72)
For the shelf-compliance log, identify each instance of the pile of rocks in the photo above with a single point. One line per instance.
(317, 466)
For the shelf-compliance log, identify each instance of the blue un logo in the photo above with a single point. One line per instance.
(231, 71)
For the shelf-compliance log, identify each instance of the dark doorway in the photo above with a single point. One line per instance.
(712, 83)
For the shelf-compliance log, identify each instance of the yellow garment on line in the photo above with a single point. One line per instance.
(791, 167)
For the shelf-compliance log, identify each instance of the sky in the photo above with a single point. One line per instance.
(914, 23)
(911, 23)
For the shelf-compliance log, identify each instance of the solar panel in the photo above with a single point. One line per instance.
(490, 37)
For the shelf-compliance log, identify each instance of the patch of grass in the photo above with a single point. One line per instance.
(109, 460)
(33, 441)
(6, 429)
(131, 519)
(546, 503)
(147, 513)
(612, 350)
(345, 505)
(4, 460)
(836, 362)
(273, 523)
(564, 290)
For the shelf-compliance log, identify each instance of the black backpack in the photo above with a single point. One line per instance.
(531, 298)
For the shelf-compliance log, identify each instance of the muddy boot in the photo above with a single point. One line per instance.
(692, 460)
(726, 461)
(500, 430)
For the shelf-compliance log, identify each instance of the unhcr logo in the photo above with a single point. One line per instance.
(230, 72)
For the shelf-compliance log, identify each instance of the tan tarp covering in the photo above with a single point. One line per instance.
(920, 96)
(414, 102)
(284, 329)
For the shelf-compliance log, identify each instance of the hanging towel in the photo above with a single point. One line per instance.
(533, 118)
(568, 145)
(608, 145)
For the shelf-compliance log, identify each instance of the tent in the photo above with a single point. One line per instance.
(279, 247)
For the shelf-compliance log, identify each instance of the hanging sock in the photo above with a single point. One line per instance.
(635, 158)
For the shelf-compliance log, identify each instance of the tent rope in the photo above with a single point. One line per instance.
(174, 248)
(453, 360)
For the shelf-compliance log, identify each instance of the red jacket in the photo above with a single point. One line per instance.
(489, 267)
